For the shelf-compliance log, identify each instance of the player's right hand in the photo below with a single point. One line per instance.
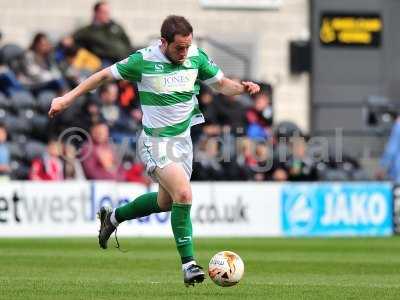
(58, 105)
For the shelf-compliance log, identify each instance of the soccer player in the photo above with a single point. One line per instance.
(167, 74)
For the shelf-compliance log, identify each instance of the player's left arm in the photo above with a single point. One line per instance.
(230, 87)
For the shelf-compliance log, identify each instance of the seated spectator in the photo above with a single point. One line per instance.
(207, 165)
(75, 62)
(104, 37)
(245, 157)
(135, 171)
(49, 166)
(259, 117)
(72, 166)
(267, 167)
(280, 174)
(300, 165)
(122, 125)
(208, 108)
(8, 80)
(88, 115)
(41, 71)
(4, 154)
(390, 161)
(263, 168)
(231, 114)
(99, 159)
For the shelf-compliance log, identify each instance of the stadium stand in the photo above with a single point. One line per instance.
(239, 141)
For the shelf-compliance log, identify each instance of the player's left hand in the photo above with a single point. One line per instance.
(251, 87)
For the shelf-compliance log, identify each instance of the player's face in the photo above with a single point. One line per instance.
(177, 51)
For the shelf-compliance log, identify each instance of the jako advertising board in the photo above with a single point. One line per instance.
(328, 209)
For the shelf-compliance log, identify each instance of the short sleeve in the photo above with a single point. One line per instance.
(129, 68)
(209, 72)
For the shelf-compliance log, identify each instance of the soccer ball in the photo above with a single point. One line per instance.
(226, 268)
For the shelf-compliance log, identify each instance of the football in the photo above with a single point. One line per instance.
(226, 268)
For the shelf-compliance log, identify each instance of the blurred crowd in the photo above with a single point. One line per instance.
(96, 138)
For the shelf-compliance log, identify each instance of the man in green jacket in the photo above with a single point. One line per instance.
(104, 37)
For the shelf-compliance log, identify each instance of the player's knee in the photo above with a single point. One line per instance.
(183, 195)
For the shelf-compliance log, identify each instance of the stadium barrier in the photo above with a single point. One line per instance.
(219, 209)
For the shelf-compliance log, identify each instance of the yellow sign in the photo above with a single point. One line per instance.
(352, 30)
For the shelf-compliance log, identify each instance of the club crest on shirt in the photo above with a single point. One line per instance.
(158, 67)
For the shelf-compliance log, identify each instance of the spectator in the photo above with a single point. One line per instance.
(208, 108)
(208, 166)
(4, 154)
(99, 158)
(263, 168)
(267, 167)
(259, 117)
(8, 80)
(72, 166)
(301, 167)
(135, 171)
(121, 124)
(390, 161)
(246, 157)
(76, 63)
(49, 166)
(41, 71)
(88, 115)
(231, 113)
(104, 37)
(280, 174)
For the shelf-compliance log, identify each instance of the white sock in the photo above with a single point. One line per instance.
(113, 219)
(188, 264)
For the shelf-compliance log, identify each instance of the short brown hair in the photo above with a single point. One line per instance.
(174, 25)
(97, 5)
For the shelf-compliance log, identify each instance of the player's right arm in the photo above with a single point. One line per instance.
(59, 104)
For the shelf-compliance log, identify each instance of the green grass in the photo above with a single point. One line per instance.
(358, 268)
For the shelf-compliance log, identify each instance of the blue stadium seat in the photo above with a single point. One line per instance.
(13, 56)
(44, 100)
(5, 103)
(22, 100)
(17, 125)
(10, 52)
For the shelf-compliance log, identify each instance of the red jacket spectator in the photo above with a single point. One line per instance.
(135, 174)
(49, 166)
(100, 162)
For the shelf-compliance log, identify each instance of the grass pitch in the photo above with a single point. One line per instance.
(356, 268)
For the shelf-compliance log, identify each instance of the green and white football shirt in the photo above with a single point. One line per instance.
(168, 91)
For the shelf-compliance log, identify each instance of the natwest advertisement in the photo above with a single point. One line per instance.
(69, 209)
(45, 209)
